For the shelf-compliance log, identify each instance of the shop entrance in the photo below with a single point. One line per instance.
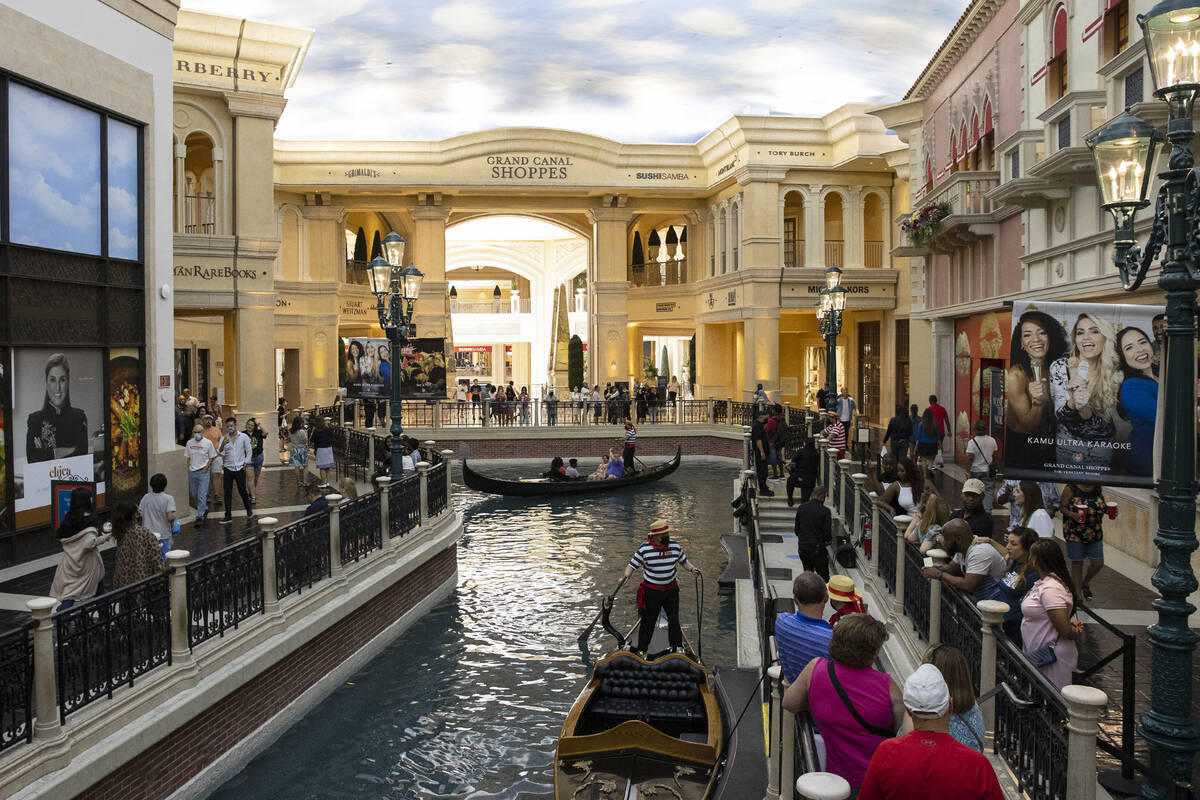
(287, 375)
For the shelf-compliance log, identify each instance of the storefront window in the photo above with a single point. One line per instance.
(122, 190)
(54, 172)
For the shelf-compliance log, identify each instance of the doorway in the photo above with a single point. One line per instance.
(287, 375)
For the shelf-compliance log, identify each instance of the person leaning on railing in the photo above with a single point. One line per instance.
(926, 527)
(1048, 632)
(966, 723)
(1019, 575)
(80, 573)
(975, 568)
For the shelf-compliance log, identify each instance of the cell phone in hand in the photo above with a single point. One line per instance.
(928, 562)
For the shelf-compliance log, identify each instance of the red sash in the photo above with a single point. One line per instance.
(641, 592)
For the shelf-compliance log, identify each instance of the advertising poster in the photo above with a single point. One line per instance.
(368, 368)
(125, 424)
(5, 511)
(58, 425)
(423, 369)
(1081, 393)
(60, 499)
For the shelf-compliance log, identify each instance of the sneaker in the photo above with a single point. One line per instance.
(227, 521)
(1087, 592)
(767, 493)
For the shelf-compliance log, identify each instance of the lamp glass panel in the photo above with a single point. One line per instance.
(381, 275)
(833, 277)
(1123, 169)
(839, 299)
(1173, 41)
(393, 248)
(412, 278)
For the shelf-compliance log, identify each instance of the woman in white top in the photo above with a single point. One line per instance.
(576, 406)
(1029, 496)
(982, 450)
(903, 496)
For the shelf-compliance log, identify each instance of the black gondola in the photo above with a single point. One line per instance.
(536, 487)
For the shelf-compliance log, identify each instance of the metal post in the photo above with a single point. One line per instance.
(268, 526)
(993, 612)
(423, 471)
(181, 650)
(335, 535)
(822, 786)
(901, 521)
(446, 454)
(45, 684)
(774, 674)
(1084, 704)
(939, 556)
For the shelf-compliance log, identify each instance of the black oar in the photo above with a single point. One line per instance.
(587, 631)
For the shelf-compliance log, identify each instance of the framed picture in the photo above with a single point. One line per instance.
(60, 499)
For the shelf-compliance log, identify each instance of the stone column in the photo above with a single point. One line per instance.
(993, 612)
(844, 467)
(1084, 704)
(760, 362)
(859, 479)
(268, 526)
(609, 288)
(940, 557)
(180, 202)
(383, 485)
(814, 228)
(747, 450)
(181, 650)
(697, 245)
(427, 250)
(423, 471)
(45, 683)
(831, 471)
(335, 535)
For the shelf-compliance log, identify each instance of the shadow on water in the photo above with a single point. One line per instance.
(469, 701)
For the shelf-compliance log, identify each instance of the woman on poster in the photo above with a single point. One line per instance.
(354, 353)
(1085, 386)
(1139, 398)
(59, 430)
(1040, 341)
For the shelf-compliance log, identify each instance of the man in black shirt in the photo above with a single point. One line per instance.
(758, 447)
(802, 469)
(972, 509)
(814, 532)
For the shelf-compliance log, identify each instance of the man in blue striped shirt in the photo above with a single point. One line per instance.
(805, 635)
(658, 558)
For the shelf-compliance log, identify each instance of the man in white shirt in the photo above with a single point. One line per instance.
(158, 508)
(846, 408)
(236, 452)
(572, 470)
(982, 450)
(200, 454)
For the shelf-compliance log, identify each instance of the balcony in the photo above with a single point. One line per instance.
(199, 215)
(522, 306)
(356, 273)
(793, 252)
(835, 252)
(972, 212)
(658, 273)
(872, 254)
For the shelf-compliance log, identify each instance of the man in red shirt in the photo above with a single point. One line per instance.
(928, 764)
(835, 435)
(942, 418)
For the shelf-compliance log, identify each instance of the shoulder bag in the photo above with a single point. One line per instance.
(869, 728)
(991, 471)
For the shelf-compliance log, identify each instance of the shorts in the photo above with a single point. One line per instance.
(257, 461)
(1078, 551)
(324, 458)
(299, 457)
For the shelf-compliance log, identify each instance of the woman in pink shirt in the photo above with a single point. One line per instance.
(1047, 631)
(872, 708)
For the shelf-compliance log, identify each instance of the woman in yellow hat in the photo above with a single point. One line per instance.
(659, 558)
(845, 598)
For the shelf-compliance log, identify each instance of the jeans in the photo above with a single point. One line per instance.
(988, 492)
(668, 601)
(198, 488)
(238, 477)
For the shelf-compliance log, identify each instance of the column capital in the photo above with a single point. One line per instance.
(437, 213)
(598, 215)
(253, 104)
(698, 216)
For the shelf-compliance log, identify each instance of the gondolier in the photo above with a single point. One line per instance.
(630, 444)
(658, 558)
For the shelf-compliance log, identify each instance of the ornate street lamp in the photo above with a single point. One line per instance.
(1124, 150)
(829, 316)
(395, 290)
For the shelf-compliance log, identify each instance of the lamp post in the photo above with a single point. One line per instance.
(829, 317)
(1124, 149)
(400, 287)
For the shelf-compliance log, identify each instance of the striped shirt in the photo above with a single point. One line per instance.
(658, 566)
(837, 436)
(631, 437)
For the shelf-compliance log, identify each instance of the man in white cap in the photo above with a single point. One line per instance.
(927, 763)
(972, 509)
(658, 558)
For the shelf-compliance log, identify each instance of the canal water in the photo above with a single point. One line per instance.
(469, 701)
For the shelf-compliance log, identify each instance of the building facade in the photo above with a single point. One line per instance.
(996, 126)
(85, 284)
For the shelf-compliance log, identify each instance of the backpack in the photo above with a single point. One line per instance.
(844, 553)
(782, 435)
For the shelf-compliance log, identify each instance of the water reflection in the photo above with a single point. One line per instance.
(469, 702)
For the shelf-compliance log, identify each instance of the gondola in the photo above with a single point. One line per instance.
(535, 487)
(643, 727)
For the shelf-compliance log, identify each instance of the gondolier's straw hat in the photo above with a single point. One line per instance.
(659, 527)
(842, 588)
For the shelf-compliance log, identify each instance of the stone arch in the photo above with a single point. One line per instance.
(291, 250)
(834, 201)
(794, 202)
(875, 228)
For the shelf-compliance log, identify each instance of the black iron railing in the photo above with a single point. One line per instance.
(404, 505)
(1125, 751)
(742, 413)
(436, 480)
(224, 589)
(835, 479)
(356, 459)
(1031, 725)
(301, 554)
(109, 641)
(721, 412)
(962, 626)
(885, 545)
(16, 686)
(848, 494)
(694, 411)
(419, 413)
(916, 590)
(361, 527)
(331, 412)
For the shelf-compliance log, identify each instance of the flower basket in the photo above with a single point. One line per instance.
(923, 224)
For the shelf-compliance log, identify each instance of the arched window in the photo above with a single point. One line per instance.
(835, 253)
(928, 174)
(953, 153)
(1057, 84)
(199, 182)
(987, 140)
(973, 157)
(793, 229)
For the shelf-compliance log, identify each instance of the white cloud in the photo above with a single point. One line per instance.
(712, 22)
(474, 20)
(303, 13)
(597, 28)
